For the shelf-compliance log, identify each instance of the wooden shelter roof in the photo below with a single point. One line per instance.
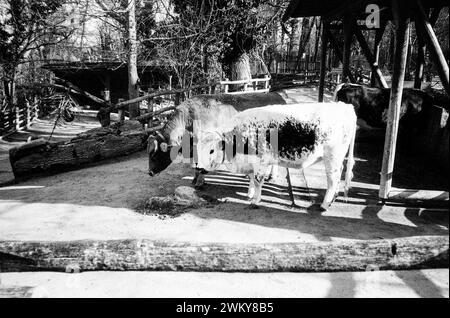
(336, 9)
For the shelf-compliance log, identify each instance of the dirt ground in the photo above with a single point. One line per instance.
(101, 201)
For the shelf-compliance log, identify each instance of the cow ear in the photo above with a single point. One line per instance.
(152, 144)
(164, 147)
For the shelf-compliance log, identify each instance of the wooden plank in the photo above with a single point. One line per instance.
(345, 255)
(426, 30)
(266, 90)
(376, 50)
(409, 194)
(370, 57)
(245, 81)
(348, 26)
(145, 117)
(16, 291)
(401, 49)
(81, 92)
(123, 104)
(420, 60)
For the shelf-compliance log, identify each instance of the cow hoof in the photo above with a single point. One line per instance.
(253, 206)
(199, 181)
(199, 186)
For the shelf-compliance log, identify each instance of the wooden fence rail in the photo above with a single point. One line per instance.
(21, 118)
(252, 85)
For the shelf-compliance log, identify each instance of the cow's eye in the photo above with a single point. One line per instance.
(211, 152)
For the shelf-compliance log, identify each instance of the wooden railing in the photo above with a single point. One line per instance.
(21, 118)
(256, 85)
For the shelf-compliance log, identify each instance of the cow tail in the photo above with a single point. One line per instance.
(350, 163)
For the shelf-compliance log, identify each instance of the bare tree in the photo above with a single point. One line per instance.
(25, 26)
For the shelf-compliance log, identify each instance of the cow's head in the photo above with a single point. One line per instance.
(158, 150)
(210, 151)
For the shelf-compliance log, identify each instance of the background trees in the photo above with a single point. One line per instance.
(194, 41)
(26, 26)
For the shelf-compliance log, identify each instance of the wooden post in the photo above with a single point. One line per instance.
(348, 25)
(401, 49)
(323, 59)
(121, 112)
(17, 118)
(150, 110)
(28, 114)
(420, 61)
(225, 89)
(266, 83)
(370, 57)
(433, 46)
(36, 107)
(376, 52)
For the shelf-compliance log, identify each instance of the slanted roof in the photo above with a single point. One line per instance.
(336, 9)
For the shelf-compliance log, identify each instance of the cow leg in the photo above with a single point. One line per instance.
(251, 185)
(333, 160)
(272, 174)
(199, 179)
(290, 190)
(196, 174)
(258, 182)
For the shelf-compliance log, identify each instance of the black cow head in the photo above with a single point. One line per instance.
(158, 151)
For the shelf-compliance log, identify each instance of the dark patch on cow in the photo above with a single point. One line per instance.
(295, 138)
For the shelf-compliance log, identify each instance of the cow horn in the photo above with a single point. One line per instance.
(152, 144)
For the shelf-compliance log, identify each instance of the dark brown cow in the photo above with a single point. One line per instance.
(371, 104)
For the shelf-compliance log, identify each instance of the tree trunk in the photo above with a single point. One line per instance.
(316, 44)
(43, 157)
(414, 252)
(133, 78)
(10, 87)
(304, 39)
(240, 69)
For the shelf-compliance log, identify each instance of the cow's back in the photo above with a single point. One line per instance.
(327, 114)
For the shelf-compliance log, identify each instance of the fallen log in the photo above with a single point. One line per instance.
(41, 156)
(349, 255)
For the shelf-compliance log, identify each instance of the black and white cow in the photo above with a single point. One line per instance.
(371, 104)
(211, 111)
(293, 136)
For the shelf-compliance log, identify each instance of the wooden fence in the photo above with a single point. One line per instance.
(21, 118)
(254, 85)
